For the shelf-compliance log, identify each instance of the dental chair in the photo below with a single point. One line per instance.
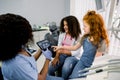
(106, 67)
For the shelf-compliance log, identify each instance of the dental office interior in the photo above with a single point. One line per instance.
(43, 13)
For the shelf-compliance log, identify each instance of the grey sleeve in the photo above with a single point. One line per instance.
(102, 48)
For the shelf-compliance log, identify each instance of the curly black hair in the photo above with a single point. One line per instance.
(15, 32)
(73, 26)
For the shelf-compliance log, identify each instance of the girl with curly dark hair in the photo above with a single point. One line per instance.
(70, 34)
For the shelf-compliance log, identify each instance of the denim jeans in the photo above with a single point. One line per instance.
(75, 73)
(53, 78)
(68, 66)
(53, 69)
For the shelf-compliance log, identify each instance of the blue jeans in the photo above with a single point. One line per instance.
(53, 69)
(75, 73)
(53, 78)
(68, 66)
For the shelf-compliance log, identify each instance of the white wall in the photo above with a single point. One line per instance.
(80, 7)
(37, 11)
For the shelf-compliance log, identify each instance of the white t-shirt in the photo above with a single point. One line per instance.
(76, 53)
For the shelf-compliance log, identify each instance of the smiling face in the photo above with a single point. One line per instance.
(86, 28)
(65, 26)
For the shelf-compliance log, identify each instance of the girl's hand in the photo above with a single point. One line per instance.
(55, 61)
(55, 48)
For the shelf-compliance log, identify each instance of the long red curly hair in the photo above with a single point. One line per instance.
(97, 27)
